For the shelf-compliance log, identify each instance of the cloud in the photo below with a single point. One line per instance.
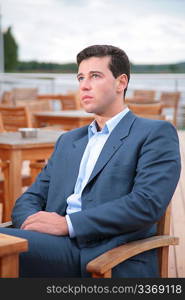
(56, 30)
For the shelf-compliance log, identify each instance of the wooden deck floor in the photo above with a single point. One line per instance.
(177, 253)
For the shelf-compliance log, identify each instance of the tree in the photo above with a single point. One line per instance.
(10, 51)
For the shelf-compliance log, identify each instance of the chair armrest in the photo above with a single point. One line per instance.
(6, 224)
(103, 264)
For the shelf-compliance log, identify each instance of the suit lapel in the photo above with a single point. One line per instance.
(113, 143)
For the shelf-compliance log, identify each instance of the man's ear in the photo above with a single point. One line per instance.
(122, 82)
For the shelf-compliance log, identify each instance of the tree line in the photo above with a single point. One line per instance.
(13, 64)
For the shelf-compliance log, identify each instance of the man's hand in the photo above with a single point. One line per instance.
(46, 222)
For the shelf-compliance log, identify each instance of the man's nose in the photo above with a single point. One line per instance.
(85, 84)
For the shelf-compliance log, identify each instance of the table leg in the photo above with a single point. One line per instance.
(15, 180)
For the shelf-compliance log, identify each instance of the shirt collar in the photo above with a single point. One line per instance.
(109, 125)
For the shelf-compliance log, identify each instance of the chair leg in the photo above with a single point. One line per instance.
(1, 212)
(9, 266)
(5, 204)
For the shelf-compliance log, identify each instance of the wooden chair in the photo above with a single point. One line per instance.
(70, 101)
(26, 94)
(2, 129)
(10, 246)
(11, 97)
(35, 106)
(4, 181)
(48, 96)
(27, 180)
(144, 95)
(153, 117)
(151, 111)
(15, 117)
(35, 168)
(139, 100)
(171, 100)
(101, 267)
(4, 189)
(1, 212)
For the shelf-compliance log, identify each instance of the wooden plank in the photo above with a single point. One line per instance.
(10, 244)
(177, 260)
(9, 266)
(1, 212)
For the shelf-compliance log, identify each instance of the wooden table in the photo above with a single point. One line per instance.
(16, 149)
(69, 119)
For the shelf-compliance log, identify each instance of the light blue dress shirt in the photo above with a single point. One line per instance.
(97, 139)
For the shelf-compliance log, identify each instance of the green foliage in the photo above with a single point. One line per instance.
(43, 67)
(34, 66)
(162, 68)
(10, 51)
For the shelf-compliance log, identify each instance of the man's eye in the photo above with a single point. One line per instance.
(95, 75)
(80, 78)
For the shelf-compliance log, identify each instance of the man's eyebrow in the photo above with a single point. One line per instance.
(79, 74)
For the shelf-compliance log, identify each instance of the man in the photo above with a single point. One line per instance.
(106, 184)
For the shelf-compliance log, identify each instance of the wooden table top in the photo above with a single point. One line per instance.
(15, 140)
(66, 113)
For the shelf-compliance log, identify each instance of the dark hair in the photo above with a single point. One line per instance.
(119, 62)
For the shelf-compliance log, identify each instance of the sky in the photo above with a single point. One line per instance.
(150, 31)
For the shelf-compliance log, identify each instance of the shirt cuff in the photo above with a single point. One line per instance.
(70, 227)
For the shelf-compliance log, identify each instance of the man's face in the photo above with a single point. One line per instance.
(97, 85)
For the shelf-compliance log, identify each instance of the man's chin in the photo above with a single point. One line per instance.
(88, 109)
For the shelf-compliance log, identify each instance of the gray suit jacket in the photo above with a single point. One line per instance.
(128, 191)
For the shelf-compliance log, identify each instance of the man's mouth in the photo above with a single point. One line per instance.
(86, 97)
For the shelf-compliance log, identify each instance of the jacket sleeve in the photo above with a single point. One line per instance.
(157, 175)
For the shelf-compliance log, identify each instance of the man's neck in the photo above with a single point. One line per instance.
(102, 119)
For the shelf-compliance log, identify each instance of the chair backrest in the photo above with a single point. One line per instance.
(11, 97)
(4, 166)
(15, 117)
(1, 212)
(144, 94)
(70, 101)
(153, 117)
(35, 168)
(140, 100)
(146, 109)
(35, 106)
(26, 94)
(1, 124)
(171, 100)
(7, 98)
